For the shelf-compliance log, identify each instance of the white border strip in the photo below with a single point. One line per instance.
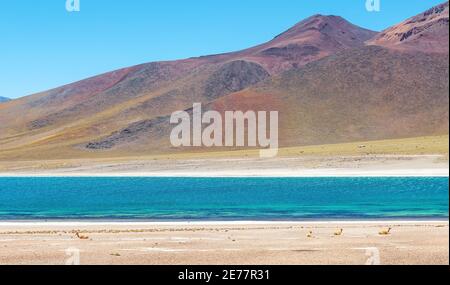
(269, 173)
(221, 223)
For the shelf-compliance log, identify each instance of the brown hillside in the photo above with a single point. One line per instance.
(327, 84)
(426, 32)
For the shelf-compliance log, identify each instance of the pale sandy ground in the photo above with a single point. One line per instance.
(225, 243)
(311, 166)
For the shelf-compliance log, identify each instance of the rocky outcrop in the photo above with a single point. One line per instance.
(426, 32)
(233, 77)
(129, 134)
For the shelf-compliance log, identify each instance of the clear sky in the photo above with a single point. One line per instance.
(43, 46)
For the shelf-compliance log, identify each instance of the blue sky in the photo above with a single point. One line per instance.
(43, 46)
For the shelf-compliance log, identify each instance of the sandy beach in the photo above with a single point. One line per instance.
(305, 166)
(412, 242)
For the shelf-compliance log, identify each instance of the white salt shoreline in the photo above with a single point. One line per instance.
(219, 223)
(271, 173)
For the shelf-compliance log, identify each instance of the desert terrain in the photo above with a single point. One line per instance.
(231, 243)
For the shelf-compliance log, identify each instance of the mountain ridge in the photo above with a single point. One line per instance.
(127, 110)
(422, 32)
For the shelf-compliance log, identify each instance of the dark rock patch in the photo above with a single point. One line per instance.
(292, 51)
(233, 77)
(130, 133)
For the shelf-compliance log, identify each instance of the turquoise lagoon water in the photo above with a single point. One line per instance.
(165, 199)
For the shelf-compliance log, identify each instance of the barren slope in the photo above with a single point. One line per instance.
(426, 32)
(327, 84)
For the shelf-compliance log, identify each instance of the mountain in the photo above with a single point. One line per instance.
(330, 80)
(4, 99)
(309, 40)
(426, 32)
(367, 93)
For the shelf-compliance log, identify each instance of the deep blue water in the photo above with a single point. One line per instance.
(223, 198)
